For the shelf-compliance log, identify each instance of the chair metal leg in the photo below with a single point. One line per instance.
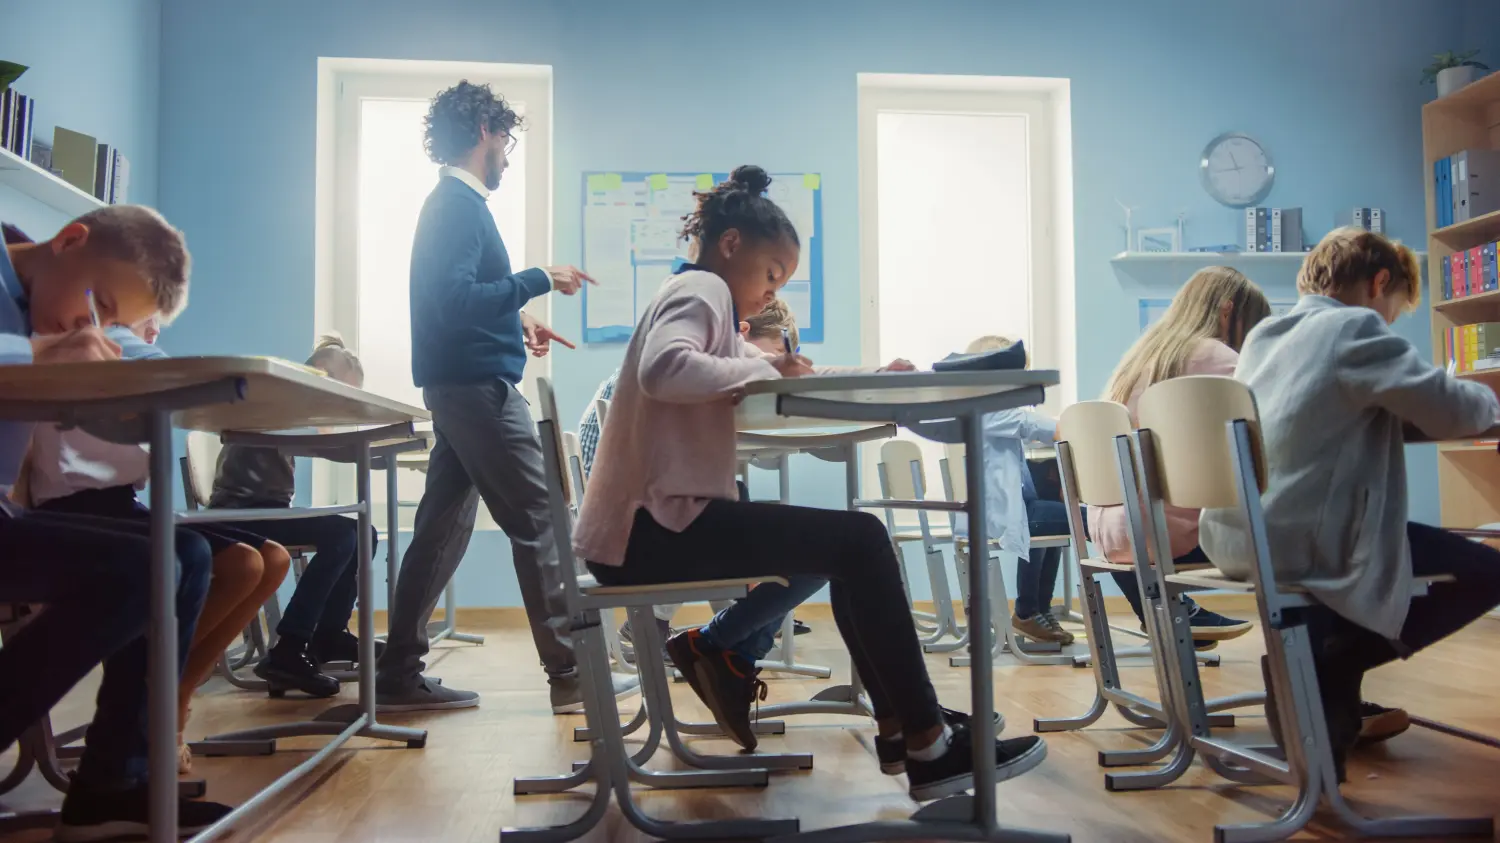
(784, 658)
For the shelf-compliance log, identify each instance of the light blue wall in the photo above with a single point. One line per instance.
(94, 68)
(672, 85)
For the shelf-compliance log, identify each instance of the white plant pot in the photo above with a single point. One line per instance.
(1453, 78)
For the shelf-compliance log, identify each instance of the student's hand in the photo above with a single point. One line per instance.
(85, 345)
(792, 365)
(900, 364)
(539, 337)
(567, 280)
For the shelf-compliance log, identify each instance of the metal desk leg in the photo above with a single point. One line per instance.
(343, 721)
(162, 636)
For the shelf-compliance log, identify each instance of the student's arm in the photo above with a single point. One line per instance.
(468, 298)
(14, 350)
(1376, 367)
(675, 366)
(133, 347)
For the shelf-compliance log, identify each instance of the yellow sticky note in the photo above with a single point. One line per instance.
(605, 181)
(812, 181)
(658, 182)
(705, 182)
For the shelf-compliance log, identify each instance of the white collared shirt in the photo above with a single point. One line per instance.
(467, 178)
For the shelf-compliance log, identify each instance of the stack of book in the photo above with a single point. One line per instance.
(16, 111)
(1466, 185)
(97, 169)
(1273, 230)
(1470, 272)
(1473, 348)
(1369, 219)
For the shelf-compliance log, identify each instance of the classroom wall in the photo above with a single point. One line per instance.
(676, 85)
(94, 68)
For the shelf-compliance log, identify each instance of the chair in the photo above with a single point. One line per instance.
(955, 480)
(611, 766)
(901, 471)
(1091, 476)
(198, 465)
(1199, 445)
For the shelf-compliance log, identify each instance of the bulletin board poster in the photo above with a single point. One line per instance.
(1152, 310)
(631, 227)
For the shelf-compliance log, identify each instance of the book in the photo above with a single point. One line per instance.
(1479, 192)
(75, 154)
(1377, 220)
(1452, 185)
(1251, 237)
(1491, 270)
(1475, 264)
(1439, 212)
(1361, 218)
(1446, 267)
(120, 191)
(1460, 274)
(104, 172)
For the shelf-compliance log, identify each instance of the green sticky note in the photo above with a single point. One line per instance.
(605, 181)
(658, 182)
(812, 181)
(705, 182)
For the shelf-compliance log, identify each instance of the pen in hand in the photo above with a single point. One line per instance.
(93, 309)
(786, 340)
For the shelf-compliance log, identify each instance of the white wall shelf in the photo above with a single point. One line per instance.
(1155, 269)
(28, 178)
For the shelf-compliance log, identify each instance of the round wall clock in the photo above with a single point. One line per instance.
(1236, 170)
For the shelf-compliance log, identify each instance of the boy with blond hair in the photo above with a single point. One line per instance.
(93, 574)
(1335, 386)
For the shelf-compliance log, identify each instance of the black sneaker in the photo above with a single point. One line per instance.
(1212, 626)
(91, 815)
(1378, 723)
(953, 771)
(1198, 644)
(892, 751)
(342, 646)
(800, 628)
(726, 682)
(288, 667)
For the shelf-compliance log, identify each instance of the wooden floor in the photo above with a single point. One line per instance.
(459, 787)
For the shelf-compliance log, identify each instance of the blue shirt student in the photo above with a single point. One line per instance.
(15, 348)
(465, 301)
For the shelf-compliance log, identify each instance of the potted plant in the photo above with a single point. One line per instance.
(10, 72)
(1452, 71)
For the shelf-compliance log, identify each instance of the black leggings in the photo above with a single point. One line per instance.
(852, 550)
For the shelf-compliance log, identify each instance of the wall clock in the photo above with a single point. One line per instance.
(1236, 170)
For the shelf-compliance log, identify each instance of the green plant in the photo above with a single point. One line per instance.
(10, 72)
(1443, 61)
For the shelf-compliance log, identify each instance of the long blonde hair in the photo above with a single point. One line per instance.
(336, 360)
(1163, 351)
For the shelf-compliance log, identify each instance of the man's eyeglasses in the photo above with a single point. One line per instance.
(510, 143)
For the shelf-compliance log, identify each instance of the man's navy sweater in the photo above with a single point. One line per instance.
(465, 301)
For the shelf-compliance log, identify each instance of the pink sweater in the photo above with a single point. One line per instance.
(669, 442)
(1107, 526)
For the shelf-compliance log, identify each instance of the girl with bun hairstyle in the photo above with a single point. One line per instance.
(662, 504)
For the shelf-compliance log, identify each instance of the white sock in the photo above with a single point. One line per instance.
(935, 750)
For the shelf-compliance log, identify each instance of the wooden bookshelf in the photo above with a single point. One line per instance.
(1468, 472)
(28, 178)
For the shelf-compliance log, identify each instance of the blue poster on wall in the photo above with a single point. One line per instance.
(631, 228)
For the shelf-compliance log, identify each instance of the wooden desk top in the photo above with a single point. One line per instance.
(279, 395)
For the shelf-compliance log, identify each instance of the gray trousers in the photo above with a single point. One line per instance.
(486, 448)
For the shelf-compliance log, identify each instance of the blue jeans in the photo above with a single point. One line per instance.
(1036, 577)
(324, 598)
(1131, 587)
(94, 575)
(749, 626)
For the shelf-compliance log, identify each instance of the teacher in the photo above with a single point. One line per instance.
(469, 341)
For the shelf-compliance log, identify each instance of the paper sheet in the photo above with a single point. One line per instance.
(606, 253)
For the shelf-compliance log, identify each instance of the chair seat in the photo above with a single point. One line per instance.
(1099, 563)
(591, 587)
(1215, 579)
(1051, 541)
(939, 533)
(295, 550)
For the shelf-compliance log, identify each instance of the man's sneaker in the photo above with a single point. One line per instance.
(288, 667)
(1041, 628)
(90, 815)
(342, 646)
(953, 771)
(1212, 626)
(726, 682)
(427, 695)
(800, 628)
(892, 751)
(1198, 644)
(1378, 723)
(567, 693)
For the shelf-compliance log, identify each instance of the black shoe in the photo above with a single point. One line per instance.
(727, 683)
(1212, 626)
(342, 646)
(892, 751)
(288, 667)
(90, 815)
(953, 771)
(800, 628)
(1199, 644)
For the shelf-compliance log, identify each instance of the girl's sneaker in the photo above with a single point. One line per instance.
(892, 751)
(953, 771)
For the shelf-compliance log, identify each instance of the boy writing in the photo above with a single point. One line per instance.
(1335, 385)
(92, 573)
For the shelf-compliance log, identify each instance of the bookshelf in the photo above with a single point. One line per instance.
(1468, 474)
(28, 178)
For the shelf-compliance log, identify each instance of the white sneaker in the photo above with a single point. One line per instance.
(567, 694)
